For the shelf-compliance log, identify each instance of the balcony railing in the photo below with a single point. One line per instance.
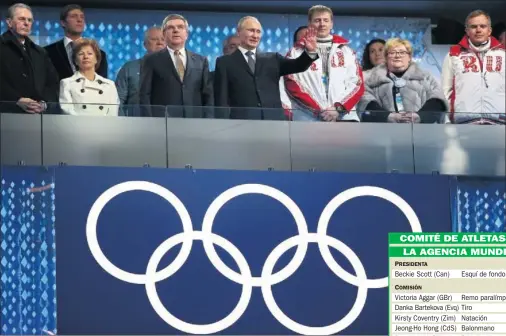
(171, 139)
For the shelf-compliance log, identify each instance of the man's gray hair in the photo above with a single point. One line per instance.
(174, 17)
(244, 19)
(12, 9)
(146, 33)
(477, 13)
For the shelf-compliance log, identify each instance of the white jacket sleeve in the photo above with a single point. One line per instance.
(113, 109)
(66, 102)
(286, 103)
(354, 82)
(447, 77)
(299, 87)
(285, 99)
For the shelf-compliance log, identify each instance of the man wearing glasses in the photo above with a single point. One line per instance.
(473, 75)
(176, 77)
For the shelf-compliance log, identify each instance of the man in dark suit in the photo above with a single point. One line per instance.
(230, 44)
(72, 21)
(247, 78)
(28, 80)
(176, 76)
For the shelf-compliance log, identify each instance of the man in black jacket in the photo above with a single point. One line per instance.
(27, 76)
(72, 21)
(247, 78)
(230, 44)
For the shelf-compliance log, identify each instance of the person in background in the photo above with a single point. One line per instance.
(399, 91)
(473, 75)
(374, 54)
(299, 34)
(499, 31)
(128, 79)
(502, 37)
(28, 79)
(230, 44)
(248, 80)
(333, 85)
(72, 21)
(87, 92)
(175, 76)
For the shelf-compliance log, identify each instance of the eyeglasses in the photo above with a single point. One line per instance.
(397, 53)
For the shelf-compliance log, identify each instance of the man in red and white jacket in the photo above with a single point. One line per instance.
(473, 75)
(333, 85)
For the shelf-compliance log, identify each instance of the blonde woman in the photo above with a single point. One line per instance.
(400, 92)
(86, 92)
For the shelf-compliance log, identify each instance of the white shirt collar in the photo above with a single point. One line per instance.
(98, 79)
(182, 51)
(244, 51)
(66, 41)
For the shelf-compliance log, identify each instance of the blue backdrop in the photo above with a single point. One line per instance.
(478, 204)
(120, 32)
(27, 251)
(129, 236)
(132, 225)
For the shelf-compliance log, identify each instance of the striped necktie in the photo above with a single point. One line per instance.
(70, 54)
(251, 61)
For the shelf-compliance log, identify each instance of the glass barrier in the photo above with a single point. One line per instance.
(224, 143)
(351, 147)
(92, 139)
(249, 139)
(20, 136)
(475, 147)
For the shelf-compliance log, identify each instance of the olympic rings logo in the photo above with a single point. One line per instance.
(245, 278)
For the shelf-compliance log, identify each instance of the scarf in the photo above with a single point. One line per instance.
(323, 46)
(480, 49)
